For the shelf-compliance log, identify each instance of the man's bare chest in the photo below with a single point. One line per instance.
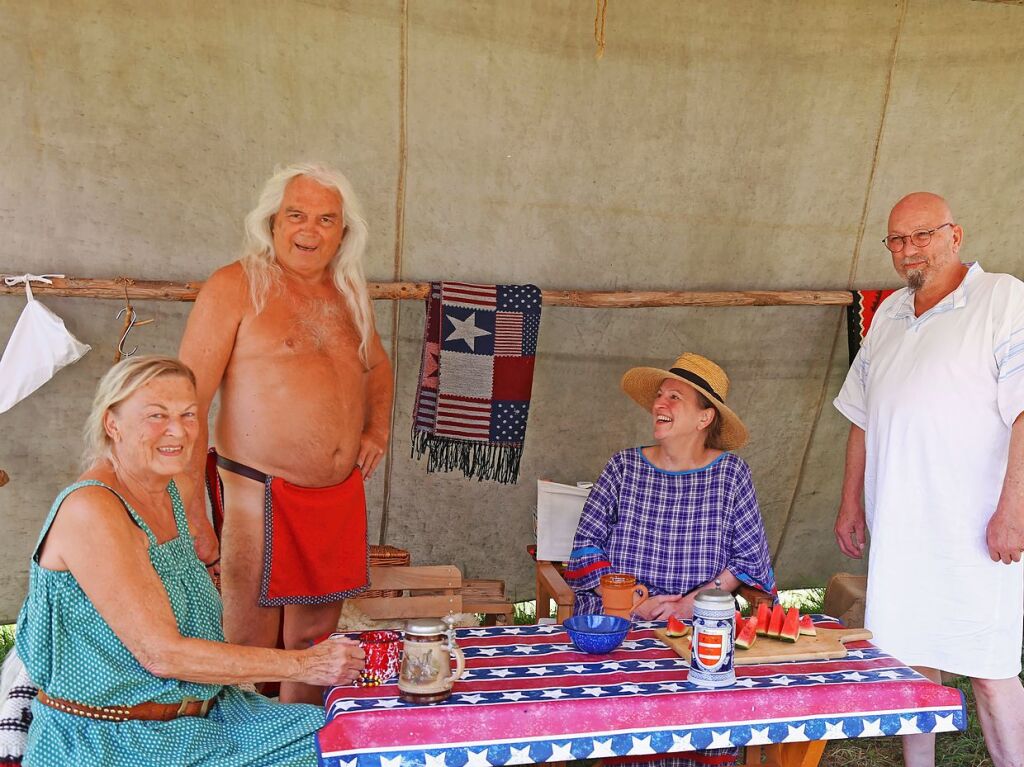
(320, 326)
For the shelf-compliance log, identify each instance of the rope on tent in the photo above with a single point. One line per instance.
(599, 21)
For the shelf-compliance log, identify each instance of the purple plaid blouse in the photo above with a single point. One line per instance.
(673, 530)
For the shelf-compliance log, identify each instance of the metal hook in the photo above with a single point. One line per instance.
(131, 320)
(129, 323)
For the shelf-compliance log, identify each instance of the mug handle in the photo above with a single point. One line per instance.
(639, 591)
(460, 664)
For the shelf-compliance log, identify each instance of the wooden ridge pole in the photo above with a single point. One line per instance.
(156, 290)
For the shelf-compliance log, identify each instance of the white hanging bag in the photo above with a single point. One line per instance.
(39, 346)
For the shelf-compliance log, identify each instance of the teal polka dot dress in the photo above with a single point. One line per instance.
(71, 653)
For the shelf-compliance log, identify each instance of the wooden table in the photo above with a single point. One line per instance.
(530, 697)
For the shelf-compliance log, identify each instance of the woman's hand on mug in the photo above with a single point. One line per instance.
(659, 608)
(332, 662)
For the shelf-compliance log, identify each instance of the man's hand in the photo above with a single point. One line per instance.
(659, 608)
(1005, 532)
(849, 529)
(207, 547)
(371, 450)
(1005, 537)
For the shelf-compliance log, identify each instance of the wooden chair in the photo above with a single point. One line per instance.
(487, 597)
(413, 592)
(429, 591)
(551, 585)
(558, 512)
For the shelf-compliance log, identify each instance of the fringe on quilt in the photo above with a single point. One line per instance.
(483, 460)
(15, 709)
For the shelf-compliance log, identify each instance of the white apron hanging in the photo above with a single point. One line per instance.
(39, 346)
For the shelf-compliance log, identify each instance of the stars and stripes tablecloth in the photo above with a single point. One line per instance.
(528, 696)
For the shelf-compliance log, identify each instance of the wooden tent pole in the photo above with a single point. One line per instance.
(153, 290)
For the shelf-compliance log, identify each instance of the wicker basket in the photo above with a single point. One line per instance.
(385, 556)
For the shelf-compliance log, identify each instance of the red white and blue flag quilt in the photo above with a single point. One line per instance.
(476, 376)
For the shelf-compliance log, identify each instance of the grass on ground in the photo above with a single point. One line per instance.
(6, 640)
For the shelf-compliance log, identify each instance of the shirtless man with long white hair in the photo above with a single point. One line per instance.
(287, 335)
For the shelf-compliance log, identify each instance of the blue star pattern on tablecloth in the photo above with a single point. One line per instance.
(666, 741)
(508, 667)
(568, 673)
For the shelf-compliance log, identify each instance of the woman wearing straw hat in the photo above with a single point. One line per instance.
(680, 513)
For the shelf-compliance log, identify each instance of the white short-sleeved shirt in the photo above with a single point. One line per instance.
(937, 396)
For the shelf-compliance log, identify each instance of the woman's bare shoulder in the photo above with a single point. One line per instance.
(96, 503)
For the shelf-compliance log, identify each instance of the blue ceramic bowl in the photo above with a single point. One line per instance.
(597, 634)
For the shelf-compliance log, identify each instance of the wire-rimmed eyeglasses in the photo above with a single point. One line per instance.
(896, 242)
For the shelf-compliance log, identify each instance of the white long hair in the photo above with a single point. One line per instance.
(262, 271)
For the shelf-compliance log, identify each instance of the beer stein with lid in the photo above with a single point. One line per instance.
(426, 674)
(714, 633)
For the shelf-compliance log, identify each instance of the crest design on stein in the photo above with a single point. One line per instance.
(710, 648)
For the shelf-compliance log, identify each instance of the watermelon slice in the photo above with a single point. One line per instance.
(746, 636)
(764, 616)
(739, 621)
(676, 628)
(807, 626)
(791, 628)
(778, 617)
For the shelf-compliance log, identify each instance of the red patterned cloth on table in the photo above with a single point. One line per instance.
(476, 374)
(529, 696)
(859, 315)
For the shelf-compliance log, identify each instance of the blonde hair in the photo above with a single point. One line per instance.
(262, 271)
(121, 382)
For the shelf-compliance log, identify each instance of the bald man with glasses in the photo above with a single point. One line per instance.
(935, 472)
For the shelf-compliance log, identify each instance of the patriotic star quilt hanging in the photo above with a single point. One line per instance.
(476, 375)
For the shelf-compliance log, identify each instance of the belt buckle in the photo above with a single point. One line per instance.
(184, 705)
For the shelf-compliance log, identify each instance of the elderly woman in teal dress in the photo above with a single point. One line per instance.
(121, 629)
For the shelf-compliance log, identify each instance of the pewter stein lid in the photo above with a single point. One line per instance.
(718, 597)
(425, 627)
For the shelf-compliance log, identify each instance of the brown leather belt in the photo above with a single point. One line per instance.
(162, 712)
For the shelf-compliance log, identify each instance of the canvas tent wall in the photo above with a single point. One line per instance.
(716, 145)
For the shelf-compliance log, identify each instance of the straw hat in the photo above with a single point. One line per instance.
(641, 384)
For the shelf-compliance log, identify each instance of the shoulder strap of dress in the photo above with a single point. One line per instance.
(180, 520)
(68, 491)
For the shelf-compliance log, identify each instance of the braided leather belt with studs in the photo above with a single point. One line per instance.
(188, 706)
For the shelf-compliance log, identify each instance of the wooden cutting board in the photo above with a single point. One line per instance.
(829, 643)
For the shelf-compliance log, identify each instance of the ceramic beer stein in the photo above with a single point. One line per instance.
(426, 675)
(714, 633)
(620, 594)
